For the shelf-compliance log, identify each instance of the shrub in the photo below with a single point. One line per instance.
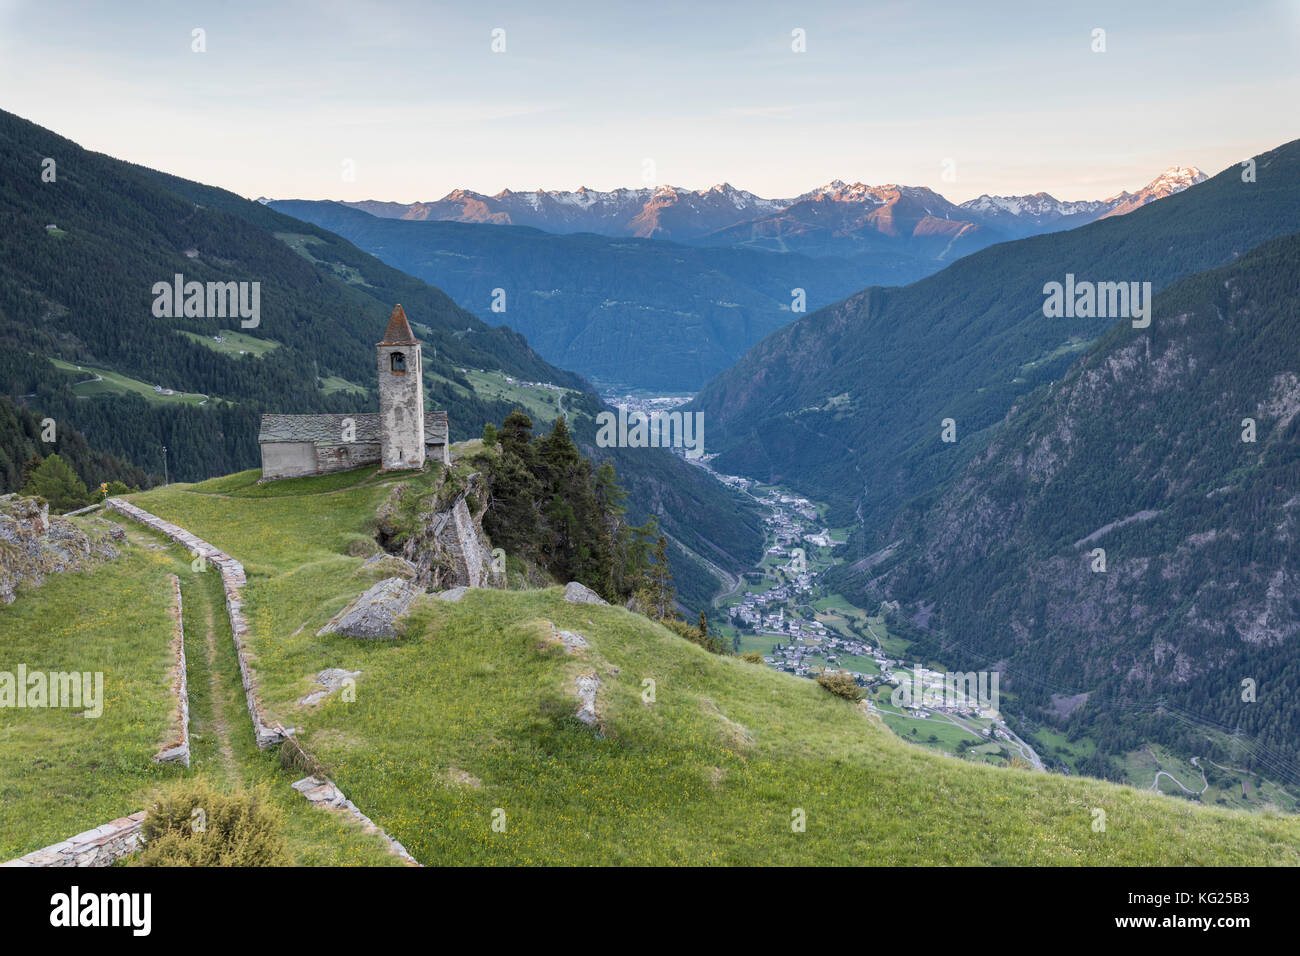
(840, 684)
(362, 547)
(193, 824)
(753, 657)
(710, 643)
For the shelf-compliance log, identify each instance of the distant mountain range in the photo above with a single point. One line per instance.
(590, 277)
(1070, 434)
(602, 305)
(835, 219)
(849, 398)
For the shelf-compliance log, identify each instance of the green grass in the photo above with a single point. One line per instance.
(334, 383)
(61, 774)
(709, 773)
(111, 383)
(234, 343)
(302, 244)
(541, 404)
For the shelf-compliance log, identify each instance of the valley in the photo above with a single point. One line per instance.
(786, 611)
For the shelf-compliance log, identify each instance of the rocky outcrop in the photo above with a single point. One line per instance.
(586, 686)
(374, 614)
(444, 542)
(390, 565)
(329, 680)
(33, 545)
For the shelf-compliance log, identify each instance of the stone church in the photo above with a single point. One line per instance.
(402, 435)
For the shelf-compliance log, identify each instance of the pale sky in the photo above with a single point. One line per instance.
(585, 93)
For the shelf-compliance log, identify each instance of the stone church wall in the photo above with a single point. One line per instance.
(342, 457)
(288, 459)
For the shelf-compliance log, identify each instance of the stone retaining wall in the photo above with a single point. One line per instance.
(319, 792)
(102, 846)
(232, 582)
(178, 748)
(323, 792)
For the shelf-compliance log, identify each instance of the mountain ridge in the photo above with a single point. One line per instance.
(699, 215)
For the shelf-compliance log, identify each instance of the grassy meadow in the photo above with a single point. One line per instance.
(469, 719)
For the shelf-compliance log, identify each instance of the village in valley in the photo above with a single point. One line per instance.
(782, 611)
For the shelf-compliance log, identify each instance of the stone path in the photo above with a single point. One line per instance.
(320, 792)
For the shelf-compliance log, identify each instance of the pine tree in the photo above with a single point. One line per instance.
(56, 482)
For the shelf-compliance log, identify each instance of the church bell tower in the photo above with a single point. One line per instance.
(401, 396)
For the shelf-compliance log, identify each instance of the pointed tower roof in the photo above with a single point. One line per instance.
(399, 330)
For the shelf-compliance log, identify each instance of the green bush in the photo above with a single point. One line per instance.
(753, 657)
(193, 824)
(840, 684)
(362, 547)
(707, 641)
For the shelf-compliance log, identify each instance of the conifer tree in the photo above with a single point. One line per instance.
(56, 482)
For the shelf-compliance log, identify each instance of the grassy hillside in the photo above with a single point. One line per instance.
(84, 298)
(61, 773)
(473, 712)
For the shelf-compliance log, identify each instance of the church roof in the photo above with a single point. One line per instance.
(319, 429)
(399, 330)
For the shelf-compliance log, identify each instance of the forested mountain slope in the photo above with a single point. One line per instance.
(846, 404)
(1176, 451)
(598, 304)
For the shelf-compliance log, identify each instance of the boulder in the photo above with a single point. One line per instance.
(373, 614)
(34, 545)
(331, 679)
(576, 593)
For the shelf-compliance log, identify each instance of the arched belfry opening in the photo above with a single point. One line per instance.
(398, 363)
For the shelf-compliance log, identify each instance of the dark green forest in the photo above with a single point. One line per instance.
(1201, 588)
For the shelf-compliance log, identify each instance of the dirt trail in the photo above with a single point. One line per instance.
(216, 698)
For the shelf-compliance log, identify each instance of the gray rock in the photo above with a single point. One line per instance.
(587, 685)
(576, 593)
(372, 615)
(453, 594)
(330, 680)
(571, 640)
(34, 545)
(390, 564)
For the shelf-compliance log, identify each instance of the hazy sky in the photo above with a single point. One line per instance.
(586, 93)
